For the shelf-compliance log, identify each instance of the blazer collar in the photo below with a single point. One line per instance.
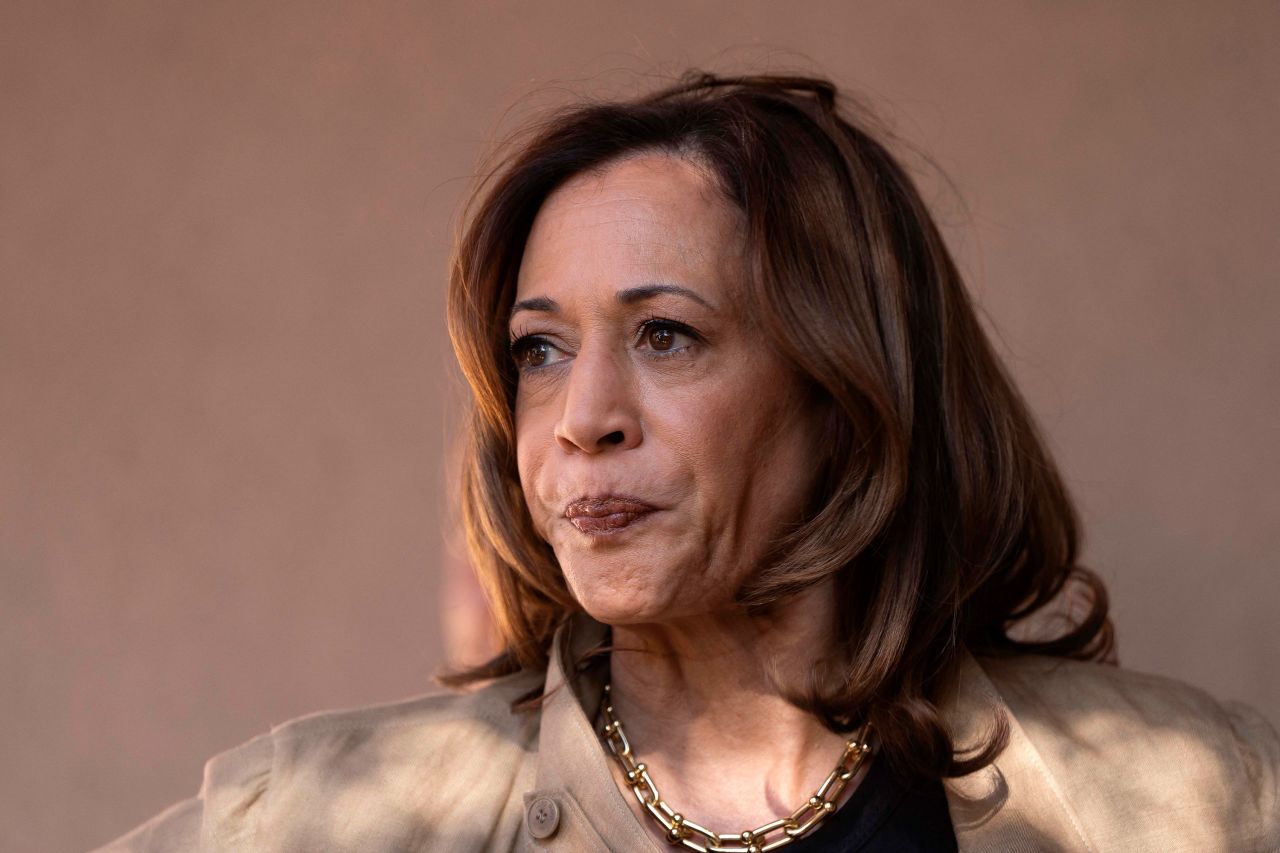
(1013, 804)
(571, 756)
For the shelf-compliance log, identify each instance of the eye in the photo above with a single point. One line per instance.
(532, 351)
(664, 336)
(660, 338)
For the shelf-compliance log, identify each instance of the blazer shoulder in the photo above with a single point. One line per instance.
(437, 711)
(1062, 683)
(313, 779)
(392, 775)
(1124, 743)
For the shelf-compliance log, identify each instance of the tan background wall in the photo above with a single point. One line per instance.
(223, 366)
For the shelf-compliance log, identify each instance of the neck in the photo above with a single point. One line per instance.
(701, 702)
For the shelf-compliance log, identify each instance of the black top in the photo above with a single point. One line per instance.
(885, 812)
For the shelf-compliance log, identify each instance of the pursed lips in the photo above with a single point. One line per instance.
(602, 514)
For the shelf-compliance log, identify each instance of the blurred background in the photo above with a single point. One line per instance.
(227, 398)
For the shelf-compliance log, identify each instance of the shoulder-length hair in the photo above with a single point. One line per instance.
(940, 514)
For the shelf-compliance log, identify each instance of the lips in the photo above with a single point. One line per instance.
(605, 514)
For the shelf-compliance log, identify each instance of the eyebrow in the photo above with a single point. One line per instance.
(630, 296)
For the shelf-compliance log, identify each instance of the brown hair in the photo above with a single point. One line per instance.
(940, 514)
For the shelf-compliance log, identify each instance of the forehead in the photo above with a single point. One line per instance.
(648, 217)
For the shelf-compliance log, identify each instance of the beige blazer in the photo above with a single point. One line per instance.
(1099, 759)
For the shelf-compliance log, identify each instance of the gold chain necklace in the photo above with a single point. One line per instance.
(678, 829)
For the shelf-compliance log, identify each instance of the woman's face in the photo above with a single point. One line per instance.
(661, 441)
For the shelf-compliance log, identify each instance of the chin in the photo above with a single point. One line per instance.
(620, 602)
(653, 601)
(620, 610)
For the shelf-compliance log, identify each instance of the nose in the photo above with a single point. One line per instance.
(600, 409)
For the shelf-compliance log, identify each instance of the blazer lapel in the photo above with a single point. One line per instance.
(1013, 804)
(573, 768)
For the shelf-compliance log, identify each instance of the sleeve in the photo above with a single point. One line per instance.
(227, 815)
(1259, 747)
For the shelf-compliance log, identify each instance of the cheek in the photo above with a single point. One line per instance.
(531, 461)
(736, 414)
(754, 438)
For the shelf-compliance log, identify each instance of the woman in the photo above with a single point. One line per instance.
(756, 508)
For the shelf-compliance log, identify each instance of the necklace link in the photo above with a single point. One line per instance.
(679, 830)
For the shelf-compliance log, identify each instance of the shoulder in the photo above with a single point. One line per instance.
(393, 771)
(429, 732)
(1124, 744)
(1090, 693)
(374, 775)
(426, 722)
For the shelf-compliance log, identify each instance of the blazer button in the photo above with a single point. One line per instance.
(543, 817)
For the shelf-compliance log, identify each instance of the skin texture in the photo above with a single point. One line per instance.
(710, 431)
(713, 429)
